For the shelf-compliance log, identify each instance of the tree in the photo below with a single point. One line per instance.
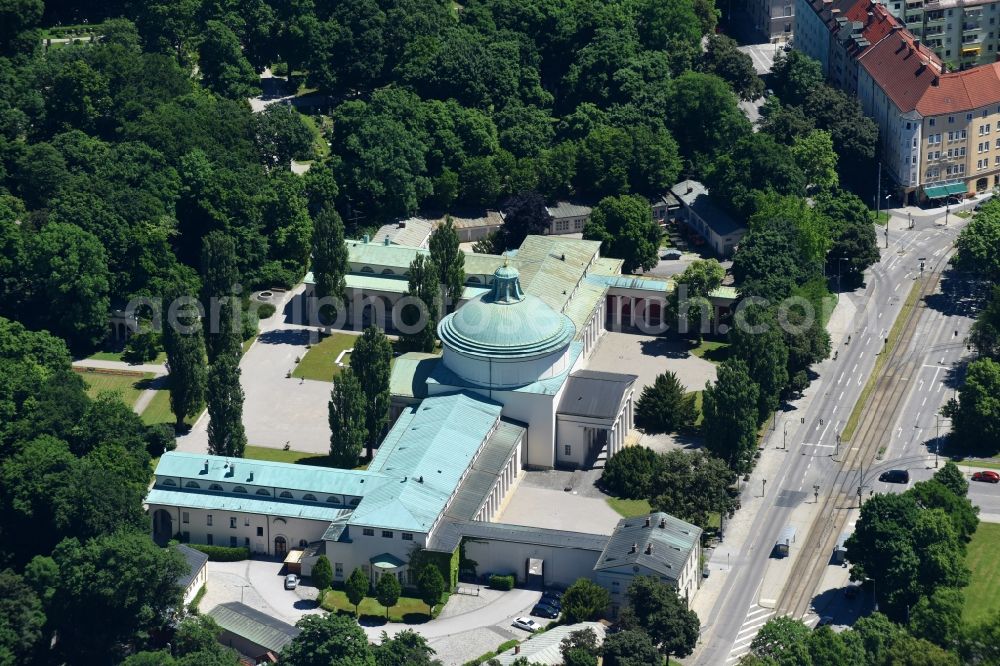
(630, 472)
(828, 648)
(977, 242)
(220, 281)
(631, 647)
(951, 477)
(665, 406)
(370, 362)
(854, 244)
(68, 284)
(584, 601)
(756, 163)
(347, 413)
(224, 68)
(282, 135)
(524, 214)
(196, 641)
(689, 301)
(757, 340)
(722, 58)
(627, 231)
(783, 640)
(912, 651)
(933, 494)
(423, 288)
(580, 648)
(356, 587)
(187, 377)
(449, 260)
(21, 619)
(815, 156)
(730, 409)
(387, 591)
(662, 614)
(938, 618)
(430, 585)
(692, 485)
(704, 115)
(406, 648)
(226, 436)
(794, 76)
(329, 256)
(976, 414)
(328, 639)
(322, 575)
(110, 589)
(985, 333)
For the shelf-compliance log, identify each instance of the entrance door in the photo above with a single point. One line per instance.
(280, 546)
(163, 529)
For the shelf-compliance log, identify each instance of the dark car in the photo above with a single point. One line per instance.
(553, 599)
(989, 476)
(544, 610)
(895, 476)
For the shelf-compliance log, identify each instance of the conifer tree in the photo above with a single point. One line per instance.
(347, 420)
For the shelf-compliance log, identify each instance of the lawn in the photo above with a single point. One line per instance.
(715, 351)
(318, 363)
(282, 456)
(985, 463)
(407, 609)
(981, 599)
(127, 386)
(319, 142)
(629, 508)
(158, 409)
(160, 359)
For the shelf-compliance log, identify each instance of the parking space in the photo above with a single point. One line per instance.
(762, 55)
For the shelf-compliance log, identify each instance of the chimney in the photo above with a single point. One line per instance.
(420, 479)
(649, 549)
(366, 238)
(401, 224)
(916, 43)
(250, 478)
(647, 521)
(232, 469)
(635, 548)
(205, 470)
(517, 649)
(663, 523)
(871, 18)
(387, 241)
(689, 188)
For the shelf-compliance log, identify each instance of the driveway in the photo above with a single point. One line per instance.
(258, 584)
(648, 356)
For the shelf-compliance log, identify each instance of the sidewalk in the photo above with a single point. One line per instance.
(121, 365)
(923, 213)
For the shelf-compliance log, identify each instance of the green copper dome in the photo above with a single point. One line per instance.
(506, 322)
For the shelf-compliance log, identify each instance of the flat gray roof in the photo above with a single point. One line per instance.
(594, 394)
(449, 533)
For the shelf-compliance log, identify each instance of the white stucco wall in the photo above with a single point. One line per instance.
(251, 530)
(562, 566)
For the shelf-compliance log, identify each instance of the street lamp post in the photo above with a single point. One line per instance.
(763, 486)
(784, 439)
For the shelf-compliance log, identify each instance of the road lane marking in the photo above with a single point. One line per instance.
(854, 369)
(859, 381)
(840, 396)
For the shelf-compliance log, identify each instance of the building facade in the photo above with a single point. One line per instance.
(964, 33)
(773, 19)
(568, 218)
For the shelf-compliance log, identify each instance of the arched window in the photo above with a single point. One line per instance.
(192, 484)
(367, 269)
(474, 279)
(309, 497)
(169, 482)
(303, 543)
(262, 491)
(285, 494)
(239, 489)
(216, 486)
(335, 499)
(356, 501)
(387, 271)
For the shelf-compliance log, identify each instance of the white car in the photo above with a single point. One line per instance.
(291, 582)
(527, 624)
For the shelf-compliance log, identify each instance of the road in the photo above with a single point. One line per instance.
(744, 603)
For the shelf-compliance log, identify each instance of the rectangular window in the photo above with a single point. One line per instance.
(338, 570)
(246, 542)
(208, 518)
(408, 536)
(567, 450)
(232, 523)
(968, 116)
(961, 151)
(232, 542)
(386, 534)
(260, 531)
(185, 517)
(951, 119)
(246, 522)
(209, 539)
(931, 122)
(368, 531)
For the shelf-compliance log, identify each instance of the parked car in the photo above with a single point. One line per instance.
(544, 610)
(291, 582)
(672, 253)
(527, 624)
(989, 476)
(825, 621)
(895, 476)
(553, 599)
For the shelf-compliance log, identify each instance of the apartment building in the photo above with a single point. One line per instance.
(773, 19)
(964, 33)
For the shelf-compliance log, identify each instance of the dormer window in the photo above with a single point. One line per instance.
(216, 486)
(192, 484)
(285, 495)
(169, 482)
(240, 489)
(309, 497)
(263, 491)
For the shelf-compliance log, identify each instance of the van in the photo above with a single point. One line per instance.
(895, 476)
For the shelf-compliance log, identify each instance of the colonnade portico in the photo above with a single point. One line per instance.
(505, 481)
(622, 426)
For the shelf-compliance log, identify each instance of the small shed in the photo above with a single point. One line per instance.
(785, 541)
(293, 562)
(197, 573)
(251, 633)
(840, 550)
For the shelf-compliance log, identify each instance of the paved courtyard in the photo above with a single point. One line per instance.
(648, 356)
(541, 500)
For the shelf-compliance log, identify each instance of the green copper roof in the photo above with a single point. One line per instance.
(386, 561)
(426, 453)
(506, 322)
(195, 499)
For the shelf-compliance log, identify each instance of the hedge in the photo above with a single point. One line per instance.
(502, 582)
(482, 659)
(223, 553)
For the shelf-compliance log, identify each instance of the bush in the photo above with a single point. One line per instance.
(223, 553)
(141, 347)
(584, 600)
(279, 69)
(322, 573)
(265, 310)
(629, 473)
(502, 582)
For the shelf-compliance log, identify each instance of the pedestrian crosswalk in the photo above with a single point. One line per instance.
(756, 617)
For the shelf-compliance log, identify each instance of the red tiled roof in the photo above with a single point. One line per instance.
(962, 91)
(904, 72)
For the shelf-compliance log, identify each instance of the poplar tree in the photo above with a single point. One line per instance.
(329, 264)
(226, 436)
(370, 362)
(450, 262)
(186, 365)
(423, 286)
(219, 279)
(347, 420)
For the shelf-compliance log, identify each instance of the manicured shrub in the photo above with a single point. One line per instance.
(223, 553)
(502, 582)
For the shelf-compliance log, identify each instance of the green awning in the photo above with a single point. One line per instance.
(386, 561)
(945, 190)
